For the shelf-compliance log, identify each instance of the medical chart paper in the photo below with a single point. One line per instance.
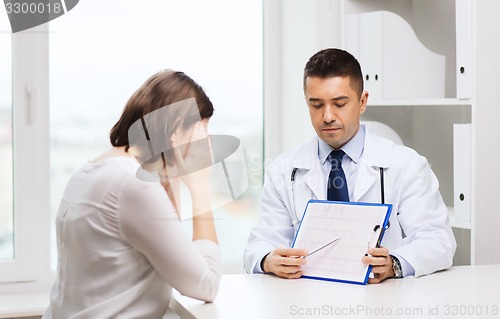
(359, 225)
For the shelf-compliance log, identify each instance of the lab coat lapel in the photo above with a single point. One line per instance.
(313, 179)
(369, 167)
(367, 176)
(308, 160)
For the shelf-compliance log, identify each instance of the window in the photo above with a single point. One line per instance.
(101, 52)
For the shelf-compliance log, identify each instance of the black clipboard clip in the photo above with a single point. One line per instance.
(379, 239)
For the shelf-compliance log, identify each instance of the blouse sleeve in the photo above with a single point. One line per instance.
(149, 223)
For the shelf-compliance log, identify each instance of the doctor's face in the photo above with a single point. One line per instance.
(335, 108)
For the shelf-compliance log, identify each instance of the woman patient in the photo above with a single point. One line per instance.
(120, 241)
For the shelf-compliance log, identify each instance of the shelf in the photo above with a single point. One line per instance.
(460, 224)
(457, 223)
(421, 102)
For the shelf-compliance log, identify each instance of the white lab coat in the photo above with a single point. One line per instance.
(420, 231)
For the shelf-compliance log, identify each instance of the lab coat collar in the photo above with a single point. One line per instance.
(376, 151)
(307, 159)
(307, 155)
(373, 158)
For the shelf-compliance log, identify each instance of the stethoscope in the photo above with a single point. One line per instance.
(296, 221)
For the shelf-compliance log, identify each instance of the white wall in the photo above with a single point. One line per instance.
(486, 235)
(302, 29)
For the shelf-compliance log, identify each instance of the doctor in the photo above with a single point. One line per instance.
(419, 241)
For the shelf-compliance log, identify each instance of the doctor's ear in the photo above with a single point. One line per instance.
(363, 101)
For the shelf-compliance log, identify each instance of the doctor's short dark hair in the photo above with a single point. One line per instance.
(331, 62)
(163, 88)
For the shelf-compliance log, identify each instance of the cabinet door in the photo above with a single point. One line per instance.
(396, 65)
(462, 172)
(464, 48)
(370, 52)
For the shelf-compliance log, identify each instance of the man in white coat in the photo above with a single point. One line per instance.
(419, 241)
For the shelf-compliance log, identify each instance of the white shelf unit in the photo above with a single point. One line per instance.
(421, 102)
(406, 45)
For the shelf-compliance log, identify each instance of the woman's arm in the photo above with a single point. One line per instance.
(149, 222)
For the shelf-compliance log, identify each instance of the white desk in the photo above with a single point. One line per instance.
(460, 292)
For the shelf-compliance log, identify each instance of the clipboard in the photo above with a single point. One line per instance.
(359, 225)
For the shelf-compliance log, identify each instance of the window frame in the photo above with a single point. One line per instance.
(30, 137)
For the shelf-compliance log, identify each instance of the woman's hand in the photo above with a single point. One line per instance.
(192, 166)
(193, 160)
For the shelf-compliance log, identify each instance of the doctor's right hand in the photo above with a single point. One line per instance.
(285, 262)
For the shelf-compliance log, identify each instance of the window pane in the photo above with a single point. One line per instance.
(103, 50)
(6, 189)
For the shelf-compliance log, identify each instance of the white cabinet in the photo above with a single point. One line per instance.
(430, 70)
(464, 48)
(462, 174)
(393, 59)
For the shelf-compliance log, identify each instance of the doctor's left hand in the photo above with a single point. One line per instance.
(382, 264)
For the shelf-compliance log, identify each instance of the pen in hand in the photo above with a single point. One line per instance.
(321, 247)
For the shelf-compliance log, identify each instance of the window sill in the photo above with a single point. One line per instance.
(20, 305)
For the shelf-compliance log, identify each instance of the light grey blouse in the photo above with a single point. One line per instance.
(122, 248)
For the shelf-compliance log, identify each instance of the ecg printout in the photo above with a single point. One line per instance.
(355, 223)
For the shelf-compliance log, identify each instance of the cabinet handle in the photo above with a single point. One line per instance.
(31, 102)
